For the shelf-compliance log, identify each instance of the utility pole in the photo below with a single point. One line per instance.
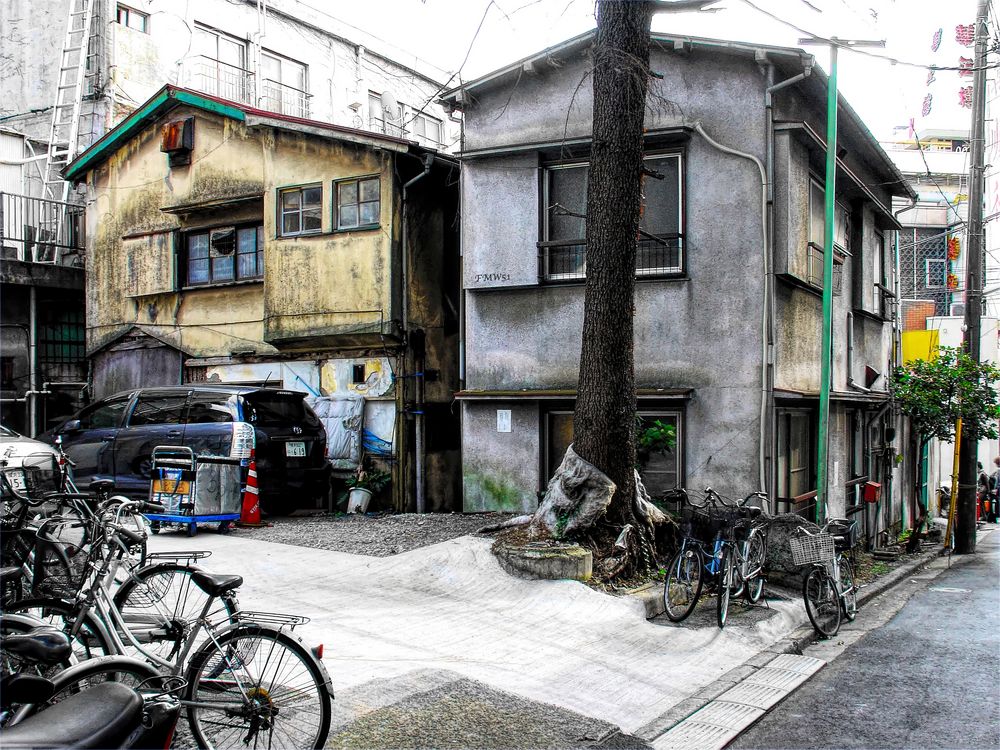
(830, 195)
(965, 521)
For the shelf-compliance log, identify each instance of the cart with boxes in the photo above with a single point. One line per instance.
(194, 489)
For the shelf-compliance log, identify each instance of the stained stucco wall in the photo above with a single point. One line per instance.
(701, 332)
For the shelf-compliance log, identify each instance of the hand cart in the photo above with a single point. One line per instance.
(194, 489)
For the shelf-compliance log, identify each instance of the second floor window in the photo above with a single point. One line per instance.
(937, 271)
(564, 243)
(358, 203)
(133, 19)
(225, 254)
(283, 85)
(220, 65)
(301, 210)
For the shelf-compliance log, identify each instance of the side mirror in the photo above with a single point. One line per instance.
(71, 426)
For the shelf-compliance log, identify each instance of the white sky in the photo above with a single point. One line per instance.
(885, 95)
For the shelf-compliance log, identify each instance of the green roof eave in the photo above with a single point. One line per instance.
(166, 98)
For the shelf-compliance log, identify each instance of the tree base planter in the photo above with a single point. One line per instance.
(546, 561)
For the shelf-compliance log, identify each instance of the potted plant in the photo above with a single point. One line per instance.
(362, 485)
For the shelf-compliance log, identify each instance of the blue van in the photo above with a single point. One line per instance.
(114, 438)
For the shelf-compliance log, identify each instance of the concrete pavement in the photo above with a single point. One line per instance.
(444, 621)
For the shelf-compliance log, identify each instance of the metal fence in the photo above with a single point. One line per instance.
(566, 260)
(239, 85)
(39, 230)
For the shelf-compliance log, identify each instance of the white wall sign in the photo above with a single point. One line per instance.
(503, 420)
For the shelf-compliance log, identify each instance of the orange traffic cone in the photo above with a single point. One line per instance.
(250, 512)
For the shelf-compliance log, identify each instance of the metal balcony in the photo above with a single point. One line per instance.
(39, 230)
(239, 85)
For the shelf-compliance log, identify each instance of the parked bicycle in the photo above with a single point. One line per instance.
(829, 590)
(249, 677)
(734, 560)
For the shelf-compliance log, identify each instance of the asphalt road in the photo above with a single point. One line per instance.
(928, 678)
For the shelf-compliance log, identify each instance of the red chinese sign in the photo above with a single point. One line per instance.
(965, 66)
(965, 97)
(952, 281)
(954, 248)
(926, 108)
(965, 34)
(931, 77)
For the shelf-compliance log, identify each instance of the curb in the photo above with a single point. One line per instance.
(793, 643)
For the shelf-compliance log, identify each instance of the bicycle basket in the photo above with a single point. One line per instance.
(811, 548)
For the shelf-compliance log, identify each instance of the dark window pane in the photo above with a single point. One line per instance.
(247, 266)
(277, 408)
(559, 437)
(369, 213)
(198, 271)
(312, 219)
(312, 197)
(198, 246)
(568, 188)
(348, 193)
(222, 268)
(369, 190)
(103, 415)
(158, 410)
(207, 407)
(247, 242)
(662, 207)
(290, 200)
(348, 216)
(290, 224)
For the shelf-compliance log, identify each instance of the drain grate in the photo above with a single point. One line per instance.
(718, 723)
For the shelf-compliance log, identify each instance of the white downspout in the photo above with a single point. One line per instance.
(766, 265)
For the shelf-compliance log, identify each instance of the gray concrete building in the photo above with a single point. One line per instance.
(728, 296)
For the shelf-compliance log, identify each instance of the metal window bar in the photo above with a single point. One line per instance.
(566, 260)
(217, 78)
(279, 97)
(32, 230)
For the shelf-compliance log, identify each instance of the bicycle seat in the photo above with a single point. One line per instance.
(751, 512)
(99, 717)
(215, 585)
(42, 645)
(101, 486)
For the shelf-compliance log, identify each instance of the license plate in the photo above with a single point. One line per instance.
(16, 479)
(297, 448)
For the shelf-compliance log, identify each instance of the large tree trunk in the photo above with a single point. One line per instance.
(604, 420)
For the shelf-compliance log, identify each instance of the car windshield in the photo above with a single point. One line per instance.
(7, 432)
(278, 407)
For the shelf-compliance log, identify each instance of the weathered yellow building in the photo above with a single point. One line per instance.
(234, 245)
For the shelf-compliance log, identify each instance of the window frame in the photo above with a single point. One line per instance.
(280, 211)
(546, 243)
(878, 272)
(184, 264)
(129, 12)
(783, 428)
(337, 184)
(302, 106)
(814, 250)
(549, 463)
(927, 273)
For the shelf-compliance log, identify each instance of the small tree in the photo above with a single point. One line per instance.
(935, 393)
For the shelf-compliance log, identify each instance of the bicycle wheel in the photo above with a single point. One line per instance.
(683, 585)
(160, 601)
(849, 589)
(727, 574)
(89, 641)
(259, 686)
(128, 671)
(822, 602)
(754, 582)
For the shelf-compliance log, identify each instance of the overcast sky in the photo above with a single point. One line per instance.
(886, 95)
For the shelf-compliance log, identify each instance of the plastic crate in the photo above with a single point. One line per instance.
(811, 548)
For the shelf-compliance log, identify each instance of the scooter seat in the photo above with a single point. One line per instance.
(101, 716)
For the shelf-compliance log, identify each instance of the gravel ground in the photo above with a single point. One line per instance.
(378, 536)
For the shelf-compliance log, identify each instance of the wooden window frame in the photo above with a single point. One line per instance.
(338, 185)
(185, 260)
(281, 212)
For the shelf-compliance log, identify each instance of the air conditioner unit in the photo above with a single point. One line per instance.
(957, 309)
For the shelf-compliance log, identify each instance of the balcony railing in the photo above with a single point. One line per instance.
(237, 84)
(400, 130)
(38, 230)
(566, 260)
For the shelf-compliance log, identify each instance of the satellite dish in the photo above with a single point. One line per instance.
(390, 107)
